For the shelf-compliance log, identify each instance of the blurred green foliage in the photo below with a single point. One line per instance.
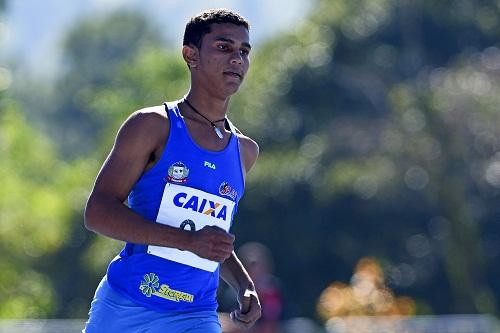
(96, 50)
(378, 126)
(40, 197)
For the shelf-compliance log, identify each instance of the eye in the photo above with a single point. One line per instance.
(222, 47)
(244, 52)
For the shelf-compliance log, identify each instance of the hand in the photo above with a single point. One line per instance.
(249, 311)
(212, 243)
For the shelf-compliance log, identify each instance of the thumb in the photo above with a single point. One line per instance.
(246, 300)
(245, 304)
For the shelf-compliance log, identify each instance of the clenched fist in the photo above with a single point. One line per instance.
(212, 243)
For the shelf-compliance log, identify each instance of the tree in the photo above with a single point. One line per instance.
(94, 52)
(354, 142)
(42, 199)
(33, 216)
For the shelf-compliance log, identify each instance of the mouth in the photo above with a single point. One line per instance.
(233, 74)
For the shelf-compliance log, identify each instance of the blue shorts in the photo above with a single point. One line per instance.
(110, 312)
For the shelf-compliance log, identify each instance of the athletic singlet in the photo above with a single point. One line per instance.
(189, 188)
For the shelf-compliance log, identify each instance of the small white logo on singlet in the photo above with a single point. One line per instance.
(209, 165)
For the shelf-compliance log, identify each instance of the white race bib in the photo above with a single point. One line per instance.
(191, 209)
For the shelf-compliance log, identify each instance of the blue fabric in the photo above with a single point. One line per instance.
(110, 312)
(161, 284)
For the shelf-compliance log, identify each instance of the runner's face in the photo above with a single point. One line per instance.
(224, 58)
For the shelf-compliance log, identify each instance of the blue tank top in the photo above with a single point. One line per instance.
(189, 187)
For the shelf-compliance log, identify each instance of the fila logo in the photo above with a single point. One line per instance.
(202, 206)
(209, 165)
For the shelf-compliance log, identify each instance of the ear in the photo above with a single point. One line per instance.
(191, 55)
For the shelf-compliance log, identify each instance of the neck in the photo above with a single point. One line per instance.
(213, 122)
(212, 108)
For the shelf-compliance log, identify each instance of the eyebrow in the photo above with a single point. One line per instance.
(230, 41)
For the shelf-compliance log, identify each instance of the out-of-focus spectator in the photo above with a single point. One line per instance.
(367, 295)
(260, 265)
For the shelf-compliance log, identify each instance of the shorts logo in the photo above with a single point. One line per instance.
(150, 286)
(225, 189)
(178, 173)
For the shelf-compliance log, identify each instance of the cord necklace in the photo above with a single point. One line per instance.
(216, 129)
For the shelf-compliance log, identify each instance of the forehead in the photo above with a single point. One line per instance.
(237, 33)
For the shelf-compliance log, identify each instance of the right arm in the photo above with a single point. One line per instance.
(140, 136)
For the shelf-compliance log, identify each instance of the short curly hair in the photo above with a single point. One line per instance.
(199, 25)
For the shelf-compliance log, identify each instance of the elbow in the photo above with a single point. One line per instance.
(90, 214)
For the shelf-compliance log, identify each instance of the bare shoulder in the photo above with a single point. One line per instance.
(249, 150)
(148, 124)
(149, 117)
(157, 110)
(138, 139)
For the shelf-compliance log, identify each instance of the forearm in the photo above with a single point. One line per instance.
(112, 218)
(234, 274)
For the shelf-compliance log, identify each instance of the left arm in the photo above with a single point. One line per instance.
(235, 275)
(232, 270)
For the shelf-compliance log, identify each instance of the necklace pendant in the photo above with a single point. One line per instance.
(218, 132)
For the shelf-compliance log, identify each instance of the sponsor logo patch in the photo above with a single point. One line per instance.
(150, 286)
(225, 189)
(177, 173)
(200, 205)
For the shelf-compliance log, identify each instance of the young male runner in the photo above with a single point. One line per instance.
(182, 167)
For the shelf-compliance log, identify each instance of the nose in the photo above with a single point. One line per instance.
(236, 58)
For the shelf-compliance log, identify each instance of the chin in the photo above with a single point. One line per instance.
(232, 88)
(227, 90)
